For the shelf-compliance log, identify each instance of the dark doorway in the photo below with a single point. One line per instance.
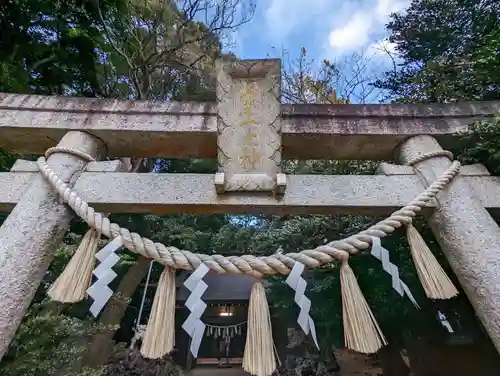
(225, 335)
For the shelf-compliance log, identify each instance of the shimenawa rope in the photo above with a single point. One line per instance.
(247, 264)
(362, 332)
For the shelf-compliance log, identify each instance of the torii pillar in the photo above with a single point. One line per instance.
(466, 232)
(32, 232)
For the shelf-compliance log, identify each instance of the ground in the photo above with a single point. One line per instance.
(217, 372)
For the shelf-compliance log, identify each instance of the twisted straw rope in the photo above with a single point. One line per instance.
(433, 154)
(247, 264)
(75, 152)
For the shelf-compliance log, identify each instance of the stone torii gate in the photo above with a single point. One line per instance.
(249, 132)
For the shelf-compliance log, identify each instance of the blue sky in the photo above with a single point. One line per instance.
(328, 29)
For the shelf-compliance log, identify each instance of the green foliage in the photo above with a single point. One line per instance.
(88, 372)
(449, 51)
(45, 344)
(6, 160)
(49, 47)
(481, 144)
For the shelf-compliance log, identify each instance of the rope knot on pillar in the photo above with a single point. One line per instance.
(434, 154)
(77, 153)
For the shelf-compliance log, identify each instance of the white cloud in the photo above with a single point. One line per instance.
(352, 34)
(385, 7)
(284, 16)
(362, 24)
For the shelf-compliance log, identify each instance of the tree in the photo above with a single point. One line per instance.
(449, 51)
(159, 50)
(305, 80)
(49, 47)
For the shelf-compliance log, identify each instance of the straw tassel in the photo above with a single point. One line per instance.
(433, 278)
(259, 356)
(160, 332)
(71, 286)
(361, 331)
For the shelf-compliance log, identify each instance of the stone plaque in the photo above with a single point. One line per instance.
(249, 126)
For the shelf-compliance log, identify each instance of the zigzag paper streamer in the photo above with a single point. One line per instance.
(99, 291)
(299, 284)
(382, 254)
(193, 324)
(444, 321)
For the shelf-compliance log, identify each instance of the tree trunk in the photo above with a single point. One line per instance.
(101, 345)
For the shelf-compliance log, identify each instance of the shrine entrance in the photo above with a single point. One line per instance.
(250, 132)
(225, 318)
(224, 341)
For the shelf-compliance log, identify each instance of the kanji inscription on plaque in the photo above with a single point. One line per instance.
(249, 126)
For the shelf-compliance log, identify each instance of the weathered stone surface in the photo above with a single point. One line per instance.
(31, 233)
(195, 193)
(98, 166)
(32, 124)
(468, 235)
(467, 170)
(249, 124)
